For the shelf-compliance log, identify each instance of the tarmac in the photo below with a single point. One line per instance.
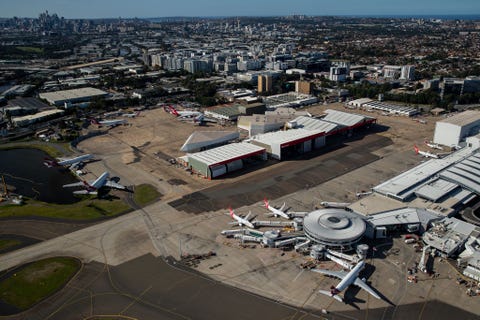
(125, 252)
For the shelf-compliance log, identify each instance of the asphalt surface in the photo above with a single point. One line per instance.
(285, 177)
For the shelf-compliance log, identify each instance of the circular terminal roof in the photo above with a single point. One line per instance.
(334, 226)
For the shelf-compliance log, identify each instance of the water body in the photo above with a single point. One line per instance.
(24, 169)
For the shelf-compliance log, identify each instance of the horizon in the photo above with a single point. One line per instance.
(151, 9)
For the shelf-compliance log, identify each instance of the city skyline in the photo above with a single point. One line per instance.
(209, 8)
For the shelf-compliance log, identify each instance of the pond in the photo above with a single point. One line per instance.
(24, 169)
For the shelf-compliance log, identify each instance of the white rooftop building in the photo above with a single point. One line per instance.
(451, 131)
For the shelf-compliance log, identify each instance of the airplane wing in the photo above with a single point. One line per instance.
(85, 192)
(76, 184)
(359, 283)
(336, 274)
(112, 184)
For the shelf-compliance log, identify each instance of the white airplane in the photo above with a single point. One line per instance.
(92, 187)
(241, 221)
(340, 205)
(182, 114)
(276, 212)
(72, 162)
(131, 115)
(433, 145)
(425, 153)
(108, 123)
(347, 280)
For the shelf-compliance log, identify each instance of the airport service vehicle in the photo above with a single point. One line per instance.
(240, 220)
(92, 187)
(276, 212)
(72, 162)
(347, 280)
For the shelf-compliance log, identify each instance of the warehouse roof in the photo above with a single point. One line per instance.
(200, 139)
(466, 173)
(463, 119)
(284, 137)
(436, 190)
(227, 153)
(309, 123)
(72, 94)
(345, 118)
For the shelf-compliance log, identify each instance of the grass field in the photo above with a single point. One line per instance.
(145, 194)
(8, 243)
(86, 209)
(52, 150)
(37, 281)
(31, 49)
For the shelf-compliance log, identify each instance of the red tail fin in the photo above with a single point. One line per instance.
(231, 211)
(173, 111)
(266, 202)
(416, 149)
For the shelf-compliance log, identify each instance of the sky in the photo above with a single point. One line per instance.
(191, 8)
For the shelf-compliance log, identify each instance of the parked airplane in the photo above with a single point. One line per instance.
(347, 280)
(108, 123)
(131, 115)
(425, 153)
(92, 187)
(242, 221)
(340, 205)
(433, 145)
(276, 212)
(182, 114)
(72, 162)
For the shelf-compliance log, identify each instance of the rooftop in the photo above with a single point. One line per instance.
(463, 118)
(309, 123)
(345, 118)
(229, 152)
(281, 137)
(200, 139)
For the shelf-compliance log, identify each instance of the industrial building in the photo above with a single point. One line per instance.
(60, 98)
(270, 121)
(289, 100)
(38, 117)
(453, 130)
(334, 228)
(222, 160)
(348, 121)
(232, 112)
(369, 104)
(282, 144)
(203, 140)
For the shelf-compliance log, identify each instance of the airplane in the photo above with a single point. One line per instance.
(92, 187)
(276, 212)
(182, 114)
(242, 221)
(425, 153)
(433, 145)
(73, 162)
(131, 115)
(347, 279)
(108, 123)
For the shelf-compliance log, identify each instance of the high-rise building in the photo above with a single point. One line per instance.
(338, 73)
(264, 83)
(408, 73)
(303, 87)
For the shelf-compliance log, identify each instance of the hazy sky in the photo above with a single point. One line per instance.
(162, 8)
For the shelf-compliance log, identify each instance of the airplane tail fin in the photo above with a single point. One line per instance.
(416, 149)
(248, 216)
(94, 121)
(334, 296)
(231, 211)
(266, 202)
(173, 111)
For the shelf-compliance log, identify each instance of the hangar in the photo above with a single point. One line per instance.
(281, 144)
(222, 160)
(203, 140)
(452, 130)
